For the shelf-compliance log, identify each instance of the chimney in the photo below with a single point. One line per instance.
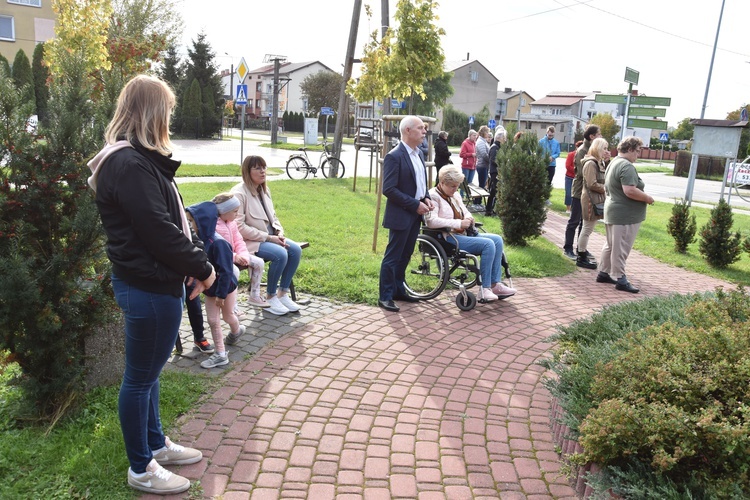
(467, 56)
(508, 90)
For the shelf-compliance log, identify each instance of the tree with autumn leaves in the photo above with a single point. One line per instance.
(405, 59)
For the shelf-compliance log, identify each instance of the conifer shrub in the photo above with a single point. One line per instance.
(717, 244)
(54, 288)
(682, 226)
(522, 189)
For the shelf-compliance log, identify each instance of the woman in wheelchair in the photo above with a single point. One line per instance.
(451, 214)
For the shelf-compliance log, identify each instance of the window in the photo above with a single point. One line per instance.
(31, 3)
(258, 86)
(7, 29)
(562, 128)
(473, 76)
(250, 103)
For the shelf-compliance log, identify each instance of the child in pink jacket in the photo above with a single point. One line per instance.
(228, 207)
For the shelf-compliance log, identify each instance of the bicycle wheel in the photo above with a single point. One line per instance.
(297, 167)
(331, 163)
(427, 271)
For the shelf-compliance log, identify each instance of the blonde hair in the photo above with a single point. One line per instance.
(247, 164)
(143, 111)
(598, 147)
(451, 173)
(483, 130)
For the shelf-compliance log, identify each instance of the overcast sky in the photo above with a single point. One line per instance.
(539, 46)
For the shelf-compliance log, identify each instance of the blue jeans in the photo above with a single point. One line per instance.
(469, 174)
(489, 247)
(568, 187)
(482, 177)
(284, 263)
(152, 322)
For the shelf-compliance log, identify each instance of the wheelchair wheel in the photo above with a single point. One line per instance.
(461, 273)
(466, 303)
(427, 271)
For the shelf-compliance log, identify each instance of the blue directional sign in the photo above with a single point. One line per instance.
(663, 137)
(471, 120)
(491, 124)
(326, 111)
(395, 104)
(241, 94)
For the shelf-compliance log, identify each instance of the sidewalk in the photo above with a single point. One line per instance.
(349, 401)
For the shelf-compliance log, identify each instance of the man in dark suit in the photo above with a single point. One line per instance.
(405, 187)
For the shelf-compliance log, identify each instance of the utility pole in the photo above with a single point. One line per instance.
(343, 111)
(275, 105)
(384, 22)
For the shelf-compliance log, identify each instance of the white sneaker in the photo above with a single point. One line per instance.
(287, 302)
(502, 291)
(215, 360)
(488, 295)
(276, 307)
(174, 454)
(158, 480)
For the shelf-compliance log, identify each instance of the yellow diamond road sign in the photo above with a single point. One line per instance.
(242, 70)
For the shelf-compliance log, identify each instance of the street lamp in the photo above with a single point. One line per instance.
(231, 76)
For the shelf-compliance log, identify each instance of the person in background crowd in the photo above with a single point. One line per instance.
(501, 136)
(483, 156)
(468, 155)
(624, 211)
(591, 133)
(442, 154)
(594, 166)
(570, 174)
(552, 150)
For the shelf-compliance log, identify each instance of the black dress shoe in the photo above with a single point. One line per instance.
(605, 278)
(626, 287)
(405, 298)
(389, 305)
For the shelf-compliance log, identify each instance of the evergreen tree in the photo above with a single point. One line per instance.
(41, 90)
(717, 244)
(52, 263)
(201, 67)
(522, 189)
(192, 107)
(210, 122)
(5, 65)
(23, 78)
(170, 71)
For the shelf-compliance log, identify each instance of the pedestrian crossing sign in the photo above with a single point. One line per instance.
(241, 94)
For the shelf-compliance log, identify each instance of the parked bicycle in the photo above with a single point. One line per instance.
(299, 166)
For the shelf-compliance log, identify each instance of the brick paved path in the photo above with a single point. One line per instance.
(431, 403)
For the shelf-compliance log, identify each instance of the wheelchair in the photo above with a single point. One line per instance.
(438, 262)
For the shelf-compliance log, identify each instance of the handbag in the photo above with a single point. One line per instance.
(597, 207)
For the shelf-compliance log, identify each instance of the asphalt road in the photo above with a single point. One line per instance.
(662, 186)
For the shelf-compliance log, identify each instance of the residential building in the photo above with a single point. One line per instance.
(23, 24)
(474, 87)
(563, 110)
(260, 87)
(510, 104)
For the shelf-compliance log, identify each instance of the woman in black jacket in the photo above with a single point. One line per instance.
(442, 155)
(500, 137)
(149, 243)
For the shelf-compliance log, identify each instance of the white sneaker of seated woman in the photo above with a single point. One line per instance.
(287, 302)
(502, 291)
(276, 307)
(488, 295)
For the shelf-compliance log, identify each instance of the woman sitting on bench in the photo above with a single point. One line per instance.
(264, 236)
(449, 212)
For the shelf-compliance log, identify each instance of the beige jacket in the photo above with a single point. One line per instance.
(252, 220)
(593, 187)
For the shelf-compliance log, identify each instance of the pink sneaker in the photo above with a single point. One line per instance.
(487, 295)
(502, 291)
(258, 301)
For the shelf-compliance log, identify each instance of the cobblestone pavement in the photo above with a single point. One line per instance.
(349, 401)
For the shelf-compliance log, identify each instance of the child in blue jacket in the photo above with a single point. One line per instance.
(222, 296)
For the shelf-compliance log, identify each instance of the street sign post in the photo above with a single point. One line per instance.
(650, 112)
(325, 110)
(491, 124)
(241, 95)
(471, 120)
(651, 101)
(611, 98)
(242, 71)
(652, 124)
(663, 137)
(631, 76)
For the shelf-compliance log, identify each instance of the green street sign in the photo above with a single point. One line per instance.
(631, 76)
(652, 124)
(651, 101)
(611, 98)
(654, 112)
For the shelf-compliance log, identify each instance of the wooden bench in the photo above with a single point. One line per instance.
(292, 290)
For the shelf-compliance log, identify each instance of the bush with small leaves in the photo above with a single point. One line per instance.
(682, 226)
